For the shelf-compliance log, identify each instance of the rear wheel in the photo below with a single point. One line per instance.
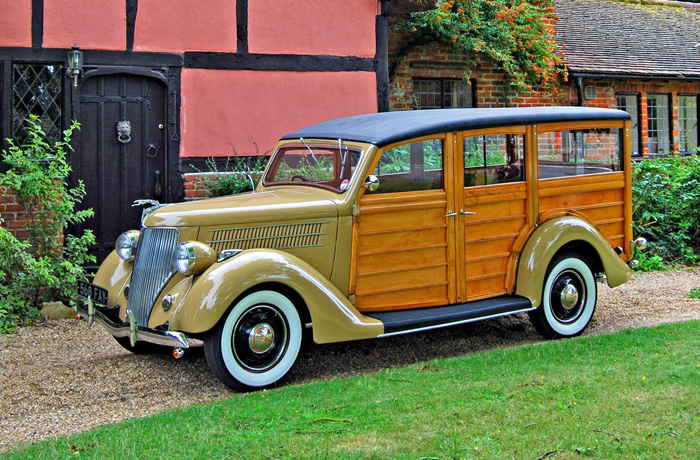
(257, 343)
(569, 298)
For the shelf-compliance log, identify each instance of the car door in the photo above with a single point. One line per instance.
(403, 236)
(496, 208)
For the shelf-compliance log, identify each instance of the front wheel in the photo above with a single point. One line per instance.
(257, 343)
(569, 297)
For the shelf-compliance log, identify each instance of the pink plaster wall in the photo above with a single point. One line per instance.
(15, 22)
(340, 28)
(87, 23)
(224, 108)
(186, 25)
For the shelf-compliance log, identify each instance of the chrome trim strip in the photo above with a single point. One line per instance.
(166, 338)
(455, 323)
(268, 226)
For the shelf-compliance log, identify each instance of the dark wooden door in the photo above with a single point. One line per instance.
(119, 168)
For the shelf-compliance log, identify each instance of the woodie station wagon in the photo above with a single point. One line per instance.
(382, 224)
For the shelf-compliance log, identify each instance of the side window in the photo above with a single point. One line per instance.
(578, 152)
(409, 167)
(494, 159)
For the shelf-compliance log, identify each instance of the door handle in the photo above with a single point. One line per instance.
(450, 213)
(466, 213)
(158, 189)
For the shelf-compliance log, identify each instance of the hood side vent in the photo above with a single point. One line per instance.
(286, 236)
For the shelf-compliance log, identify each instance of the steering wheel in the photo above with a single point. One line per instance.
(302, 178)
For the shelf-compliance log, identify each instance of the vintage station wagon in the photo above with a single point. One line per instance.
(382, 224)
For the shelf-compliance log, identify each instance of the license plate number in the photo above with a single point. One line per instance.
(96, 293)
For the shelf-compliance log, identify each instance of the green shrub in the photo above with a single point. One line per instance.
(235, 178)
(666, 197)
(48, 265)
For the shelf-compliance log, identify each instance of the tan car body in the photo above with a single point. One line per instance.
(307, 242)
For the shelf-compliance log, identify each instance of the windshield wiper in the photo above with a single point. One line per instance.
(308, 148)
(345, 157)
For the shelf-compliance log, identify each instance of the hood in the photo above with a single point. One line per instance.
(279, 205)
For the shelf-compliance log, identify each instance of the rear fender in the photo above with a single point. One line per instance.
(333, 317)
(548, 239)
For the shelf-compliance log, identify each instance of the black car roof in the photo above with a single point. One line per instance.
(388, 127)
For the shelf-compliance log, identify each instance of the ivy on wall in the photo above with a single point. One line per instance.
(512, 35)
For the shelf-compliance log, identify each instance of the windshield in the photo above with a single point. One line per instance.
(324, 166)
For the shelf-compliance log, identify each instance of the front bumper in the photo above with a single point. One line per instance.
(130, 329)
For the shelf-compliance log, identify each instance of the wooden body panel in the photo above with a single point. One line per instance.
(599, 197)
(402, 251)
(463, 243)
(501, 216)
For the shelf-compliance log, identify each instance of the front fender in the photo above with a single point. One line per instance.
(548, 239)
(333, 317)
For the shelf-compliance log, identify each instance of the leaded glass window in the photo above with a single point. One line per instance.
(36, 89)
(659, 124)
(688, 123)
(442, 94)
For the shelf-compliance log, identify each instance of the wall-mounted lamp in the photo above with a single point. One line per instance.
(75, 64)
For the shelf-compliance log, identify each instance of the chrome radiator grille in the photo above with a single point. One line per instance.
(152, 269)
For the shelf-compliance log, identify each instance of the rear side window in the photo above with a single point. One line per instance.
(493, 159)
(578, 152)
(411, 167)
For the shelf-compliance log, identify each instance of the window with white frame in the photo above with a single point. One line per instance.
(658, 124)
(687, 123)
(630, 104)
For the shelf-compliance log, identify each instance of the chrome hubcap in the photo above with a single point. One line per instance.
(569, 296)
(262, 338)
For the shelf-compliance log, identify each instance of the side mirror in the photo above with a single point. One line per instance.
(371, 183)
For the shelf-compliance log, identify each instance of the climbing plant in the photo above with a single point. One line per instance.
(513, 35)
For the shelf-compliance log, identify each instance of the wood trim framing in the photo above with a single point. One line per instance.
(132, 7)
(242, 26)
(37, 23)
(277, 62)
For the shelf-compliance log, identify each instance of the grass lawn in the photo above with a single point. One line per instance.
(629, 395)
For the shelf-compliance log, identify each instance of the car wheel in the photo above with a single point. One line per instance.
(569, 297)
(257, 343)
(141, 348)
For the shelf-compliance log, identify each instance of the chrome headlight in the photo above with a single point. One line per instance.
(193, 258)
(126, 245)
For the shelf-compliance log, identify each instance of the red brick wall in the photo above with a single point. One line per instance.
(607, 89)
(12, 214)
(194, 189)
(437, 61)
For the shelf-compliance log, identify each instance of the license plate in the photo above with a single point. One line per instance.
(96, 293)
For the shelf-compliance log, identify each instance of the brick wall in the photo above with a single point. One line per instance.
(438, 61)
(607, 89)
(13, 215)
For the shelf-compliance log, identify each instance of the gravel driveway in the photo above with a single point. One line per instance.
(60, 378)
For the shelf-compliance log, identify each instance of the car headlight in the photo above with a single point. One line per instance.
(193, 258)
(126, 245)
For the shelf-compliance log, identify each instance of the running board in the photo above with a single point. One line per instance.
(421, 319)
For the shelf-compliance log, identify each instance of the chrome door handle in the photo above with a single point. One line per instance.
(450, 213)
(466, 213)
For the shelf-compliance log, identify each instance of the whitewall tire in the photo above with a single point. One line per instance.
(569, 297)
(257, 343)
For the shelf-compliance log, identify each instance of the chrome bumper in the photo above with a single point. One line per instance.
(130, 329)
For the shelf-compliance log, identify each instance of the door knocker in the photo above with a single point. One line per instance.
(124, 131)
